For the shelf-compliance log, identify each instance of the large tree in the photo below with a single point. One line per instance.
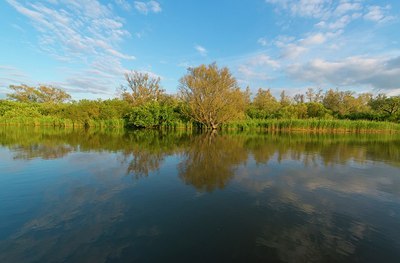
(49, 94)
(141, 88)
(211, 95)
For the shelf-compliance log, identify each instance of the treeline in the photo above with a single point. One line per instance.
(332, 104)
(208, 97)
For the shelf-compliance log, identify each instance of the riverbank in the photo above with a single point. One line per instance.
(315, 125)
(301, 125)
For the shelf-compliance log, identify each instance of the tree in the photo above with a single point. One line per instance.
(299, 98)
(141, 88)
(211, 95)
(265, 101)
(23, 93)
(332, 100)
(386, 105)
(310, 94)
(52, 94)
(42, 94)
(314, 96)
(316, 110)
(284, 99)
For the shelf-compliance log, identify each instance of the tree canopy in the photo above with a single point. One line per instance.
(41, 94)
(141, 88)
(211, 95)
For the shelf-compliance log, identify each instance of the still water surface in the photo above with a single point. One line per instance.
(146, 196)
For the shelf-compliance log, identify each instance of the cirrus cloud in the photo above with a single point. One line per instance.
(86, 33)
(148, 7)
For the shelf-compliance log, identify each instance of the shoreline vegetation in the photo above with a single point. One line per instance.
(271, 125)
(208, 99)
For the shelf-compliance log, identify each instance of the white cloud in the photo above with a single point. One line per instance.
(328, 11)
(248, 73)
(124, 4)
(263, 60)
(148, 7)
(345, 7)
(375, 72)
(11, 75)
(202, 50)
(81, 32)
(155, 6)
(378, 14)
(339, 23)
(120, 55)
(292, 49)
(262, 41)
(304, 8)
(256, 67)
(393, 92)
(315, 39)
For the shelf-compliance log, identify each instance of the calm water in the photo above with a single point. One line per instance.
(145, 196)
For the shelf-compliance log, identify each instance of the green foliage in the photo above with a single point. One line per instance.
(41, 94)
(314, 125)
(317, 110)
(151, 115)
(141, 88)
(389, 107)
(212, 96)
(84, 113)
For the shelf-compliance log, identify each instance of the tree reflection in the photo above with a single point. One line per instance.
(210, 160)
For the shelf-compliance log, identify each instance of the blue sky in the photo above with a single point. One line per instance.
(85, 46)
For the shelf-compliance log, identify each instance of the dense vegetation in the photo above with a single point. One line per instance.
(208, 97)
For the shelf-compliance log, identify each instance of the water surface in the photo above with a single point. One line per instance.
(147, 196)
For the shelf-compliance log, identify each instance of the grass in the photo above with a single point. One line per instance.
(48, 121)
(315, 125)
(307, 125)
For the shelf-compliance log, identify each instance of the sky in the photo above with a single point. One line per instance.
(86, 46)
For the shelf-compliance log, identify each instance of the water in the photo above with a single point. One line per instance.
(145, 196)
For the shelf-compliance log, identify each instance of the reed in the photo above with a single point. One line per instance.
(49, 121)
(314, 125)
(305, 125)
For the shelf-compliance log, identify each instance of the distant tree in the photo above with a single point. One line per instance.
(141, 88)
(52, 94)
(332, 100)
(310, 94)
(211, 95)
(318, 97)
(386, 105)
(346, 103)
(314, 96)
(49, 94)
(23, 93)
(284, 99)
(364, 100)
(299, 98)
(265, 101)
(316, 110)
